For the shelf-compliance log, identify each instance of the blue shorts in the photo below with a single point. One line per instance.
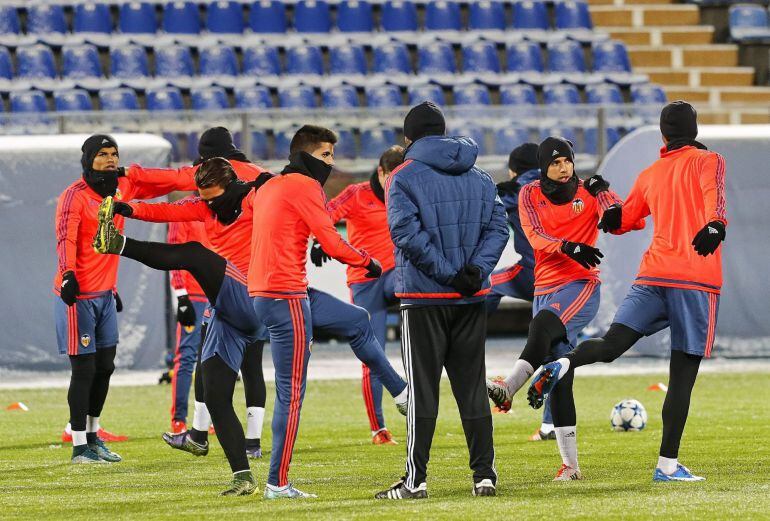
(691, 314)
(87, 325)
(576, 304)
(517, 281)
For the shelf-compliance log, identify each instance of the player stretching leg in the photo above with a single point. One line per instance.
(679, 279)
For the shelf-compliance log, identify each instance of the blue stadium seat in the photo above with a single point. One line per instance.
(748, 22)
(355, 16)
(81, 61)
(9, 20)
(129, 61)
(567, 132)
(591, 139)
(487, 14)
(572, 14)
(530, 14)
(561, 94)
(254, 97)
(35, 61)
(604, 94)
(261, 60)
(301, 96)
(304, 60)
(259, 145)
(473, 131)
(46, 18)
(524, 56)
(346, 143)
(173, 60)
(347, 59)
(6, 66)
(436, 57)
(224, 17)
(340, 97)
(92, 18)
(508, 138)
(209, 98)
(517, 94)
(648, 94)
(375, 141)
(218, 60)
(442, 15)
(384, 96)
(181, 18)
(118, 99)
(73, 100)
(28, 101)
(428, 92)
(392, 57)
(399, 15)
(566, 56)
(472, 94)
(164, 98)
(138, 18)
(282, 141)
(268, 16)
(312, 16)
(610, 56)
(480, 57)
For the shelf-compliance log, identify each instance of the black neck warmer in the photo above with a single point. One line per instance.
(559, 193)
(377, 188)
(227, 207)
(683, 142)
(305, 164)
(103, 182)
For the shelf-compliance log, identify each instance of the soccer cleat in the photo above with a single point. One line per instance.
(498, 392)
(66, 435)
(242, 485)
(542, 384)
(178, 426)
(286, 492)
(104, 452)
(254, 452)
(107, 239)
(681, 473)
(86, 457)
(183, 442)
(567, 473)
(383, 437)
(541, 436)
(399, 490)
(485, 487)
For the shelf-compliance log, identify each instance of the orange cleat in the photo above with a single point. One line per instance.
(212, 432)
(383, 437)
(178, 426)
(66, 436)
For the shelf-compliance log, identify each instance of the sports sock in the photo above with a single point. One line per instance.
(92, 428)
(546, 428)
(254, 419)
(79, 438)
(566, 438)
(522, 370)
(682, 375)
(201, 417)
(219, 380)
(565, 363)
(667, 465)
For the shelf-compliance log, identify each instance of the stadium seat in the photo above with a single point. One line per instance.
(268, 16)
(35, 61)
(209, 98)
(81, 61)
(566, 56)
(472, 94)
(509, 137)
(28, 101)
(164, 98)
(524, 56)
(254, 97)
(591, 138)
(392, 57)
(181, 18)
(282, 141)
(346, 143)
(218, 60)
(172, 61)
(46, 18)
(6, 65)
(517, 94)
(561, 94)
(301, 96)
(129, 61)
(442, 15)
(436, 58)
(347, 59)
(648, 94)
(572, 14)
(224, 17)
(530, 14)
(480, 57)
(304, 60)
(355, 16)
(259, 144)
(9, 20)
(487, 14)
(610, 56)
(340, 97)
(384, 96)
(261, 60)
(473, 131)
(428, 92)
(118, 99)
(312, 16)
(72, 100)
(564, 131)
(92, 18)
(138, 18)
(399, 15)
(604, 94)
(376, 140)
(748, 22)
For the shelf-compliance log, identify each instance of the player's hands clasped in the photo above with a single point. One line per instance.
(585, 255)
(467, 281)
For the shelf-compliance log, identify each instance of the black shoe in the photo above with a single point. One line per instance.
(485, 487)
(399, 491)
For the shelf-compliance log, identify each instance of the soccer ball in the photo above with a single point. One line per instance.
(628, 415)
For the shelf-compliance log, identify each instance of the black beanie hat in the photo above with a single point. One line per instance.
(552, 148)
(425, 119)
(92, 146)
(215, 142)
(523, 158)
(678, 120)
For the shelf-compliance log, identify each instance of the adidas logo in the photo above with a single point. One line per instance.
(105, 141)
(570, 434)
(555, 153)
(556, 306)
(182, 308)
(64, 282)
(577, 249)
(713, 230)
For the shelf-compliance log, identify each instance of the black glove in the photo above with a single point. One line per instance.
(121, 171)
(611, 218)
(585, 255)
(467, 281)
(165, 377)
(708, 239)
(70, 288)
(118, 302)
(596, 184)
(317, 254)
(373, 269)
(122, 209)
(185, 312)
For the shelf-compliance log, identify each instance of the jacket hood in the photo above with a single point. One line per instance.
(452, 155)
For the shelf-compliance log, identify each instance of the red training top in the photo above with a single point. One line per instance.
(181, 232)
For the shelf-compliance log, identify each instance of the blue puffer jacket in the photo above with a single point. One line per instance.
(443, 213)
(510, 198)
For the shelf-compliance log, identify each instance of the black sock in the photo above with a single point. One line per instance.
(252, 443)
(91, 438)
(563, 402)
(253, 377)
(545, 330)
(199, 437)
(78, 395)
(615, 342)
(198, 377)
(105, 366)
(682, 374)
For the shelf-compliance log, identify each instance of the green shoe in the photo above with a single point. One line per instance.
(87, 456)
(104, 452)
(243, 484)
(107, 239)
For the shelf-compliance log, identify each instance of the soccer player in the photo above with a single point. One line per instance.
(679, 278)
(85, 312)
(449, 229)
(362, 205)
(287, 210)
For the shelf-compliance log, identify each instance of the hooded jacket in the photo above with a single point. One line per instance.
(443, 213)
(510, 200)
